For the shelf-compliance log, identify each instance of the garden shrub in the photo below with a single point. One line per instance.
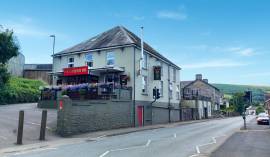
(20, 90)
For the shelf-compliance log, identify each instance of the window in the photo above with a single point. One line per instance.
(110, 58)
(70, 62)
(144, 84)
(144, 65)
(89, 59)
(174, 75)
(178, 92)
(161, 88)
(170, 91)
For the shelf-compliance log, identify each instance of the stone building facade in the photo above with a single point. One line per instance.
(201, 90)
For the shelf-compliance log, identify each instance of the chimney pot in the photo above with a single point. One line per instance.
(198, 76)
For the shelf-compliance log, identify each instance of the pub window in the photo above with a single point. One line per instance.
(144, 84)
(110, 58)
(71, 62)
(89, 59)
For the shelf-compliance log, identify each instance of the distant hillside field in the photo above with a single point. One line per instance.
(257, 91)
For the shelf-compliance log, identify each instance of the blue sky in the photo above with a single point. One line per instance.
(225, 40)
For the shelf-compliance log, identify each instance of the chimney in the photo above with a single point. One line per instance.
(205, 80)
(198, 76)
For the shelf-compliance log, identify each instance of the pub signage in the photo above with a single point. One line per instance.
(76, 71)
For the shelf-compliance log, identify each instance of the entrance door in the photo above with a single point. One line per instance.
(205, 112)
(140, 117)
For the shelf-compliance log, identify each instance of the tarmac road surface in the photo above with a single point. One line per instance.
(179, 141)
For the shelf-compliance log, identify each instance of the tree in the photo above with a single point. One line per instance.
(260, 109)
(238, 102)
(9, 48)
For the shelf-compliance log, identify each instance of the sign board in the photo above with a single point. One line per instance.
(76, 71)
(157, 73)
(123, 80)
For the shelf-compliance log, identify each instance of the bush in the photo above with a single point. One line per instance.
(20, 90)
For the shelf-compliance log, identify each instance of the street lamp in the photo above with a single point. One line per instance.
(53, 36)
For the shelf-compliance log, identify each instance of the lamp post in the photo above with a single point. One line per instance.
(53, 36)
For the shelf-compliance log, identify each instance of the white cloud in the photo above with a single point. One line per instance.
(239, 50)
(243, 51)
(172, 15)
(214, 64)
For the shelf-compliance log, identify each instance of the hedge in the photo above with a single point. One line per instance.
(20, 90)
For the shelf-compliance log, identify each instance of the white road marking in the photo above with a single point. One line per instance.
(205, 144)
(174, 135)
(198, 150)
(126, 148)
(148, 143)
(102, 155)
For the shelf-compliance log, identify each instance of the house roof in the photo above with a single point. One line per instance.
(185, 83)
(47, 67)
(188, 83)
(117, 36)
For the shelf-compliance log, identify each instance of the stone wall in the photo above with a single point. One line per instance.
(47, 104)
(84, 116)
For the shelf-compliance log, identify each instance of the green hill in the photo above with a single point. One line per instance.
(257, 91)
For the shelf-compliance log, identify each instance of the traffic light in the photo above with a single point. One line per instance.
(156, 94)
(248, 96)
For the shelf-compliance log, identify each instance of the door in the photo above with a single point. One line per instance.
(205, 112)
(140, 117)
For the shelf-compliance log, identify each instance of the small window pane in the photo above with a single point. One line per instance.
(110, 58)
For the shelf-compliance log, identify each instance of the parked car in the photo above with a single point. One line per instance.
(263, 118)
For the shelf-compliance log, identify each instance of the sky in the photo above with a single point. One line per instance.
(227, 41)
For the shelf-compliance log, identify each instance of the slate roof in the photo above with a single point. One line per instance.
(117, 36)
(187, 83)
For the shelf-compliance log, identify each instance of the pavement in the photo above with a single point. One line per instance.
(32, 117)
(255, 141)
(174, 140)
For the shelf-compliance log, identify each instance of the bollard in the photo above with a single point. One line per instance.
(20, 127)
(43, 125)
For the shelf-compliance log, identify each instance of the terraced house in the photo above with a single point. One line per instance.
(115, 57)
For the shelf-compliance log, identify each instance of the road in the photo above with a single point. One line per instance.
(254, 141)
(179, 141)
(9, 123)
